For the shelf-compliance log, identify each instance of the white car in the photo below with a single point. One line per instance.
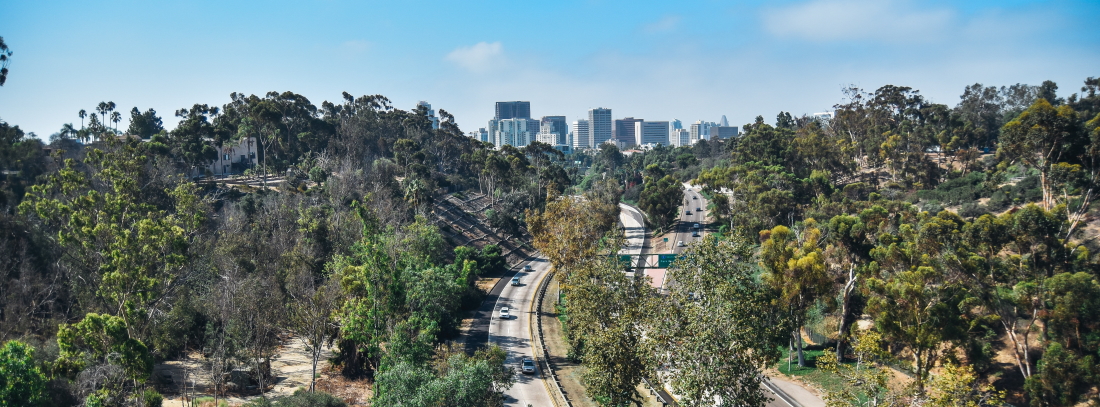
(515, 281)
(504, 313)
(680, 243)
(696, 226)
(527, 268)
(528, 366)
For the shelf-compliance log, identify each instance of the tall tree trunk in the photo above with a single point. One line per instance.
(798, 341)
(842, 331)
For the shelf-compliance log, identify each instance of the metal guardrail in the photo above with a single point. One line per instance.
(544, 361)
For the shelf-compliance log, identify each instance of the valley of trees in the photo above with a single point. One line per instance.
(950, 246)
(953, 246)
(115, 257)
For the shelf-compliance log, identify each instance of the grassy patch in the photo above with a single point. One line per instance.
(810, 373)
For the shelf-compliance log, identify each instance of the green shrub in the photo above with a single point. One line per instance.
(21, 381)
(960, 190)
(209, 401)
(151, 398)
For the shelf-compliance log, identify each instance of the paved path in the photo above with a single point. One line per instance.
(514, 334)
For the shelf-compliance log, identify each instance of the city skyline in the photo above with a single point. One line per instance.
(690, 61)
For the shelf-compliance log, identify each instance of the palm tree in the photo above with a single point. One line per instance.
(116, 117)
(101, 108)
(82, 113)
(67, 130)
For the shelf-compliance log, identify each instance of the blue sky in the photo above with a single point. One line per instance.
(648, 59)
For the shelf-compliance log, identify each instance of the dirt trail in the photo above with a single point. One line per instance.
(291, 370)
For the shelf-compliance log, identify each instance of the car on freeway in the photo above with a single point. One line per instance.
(694, 197)
(680, 243)
(687, 212)
(527, 268)
(695, 233)
(504, 313)
(515, 281)
(695, 226)
(528, 366)
(698, 209)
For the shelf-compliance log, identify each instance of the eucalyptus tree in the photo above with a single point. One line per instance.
(796, 269)
(5, 59)
(1049, 139)
(127, 253)
(717, 328)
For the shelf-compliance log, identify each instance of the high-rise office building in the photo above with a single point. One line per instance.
(555, 125)
(479, 135)
(431, 113)
(513, 110)
(651, 133)
(599, 124)
(723, 132)
(675, 124)
(581, 136)
(723, 122)
(623, 131)
(515, 131)
(700, 130)
(680, 137)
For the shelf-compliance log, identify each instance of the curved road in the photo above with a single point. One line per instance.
(514, 334)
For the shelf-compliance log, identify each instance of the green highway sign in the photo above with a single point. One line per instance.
(625, 259)
(665, 260)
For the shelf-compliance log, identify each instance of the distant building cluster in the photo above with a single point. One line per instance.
(513, 125)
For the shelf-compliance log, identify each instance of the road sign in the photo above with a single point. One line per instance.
(625, 259)
(665, 260)
(666, 240)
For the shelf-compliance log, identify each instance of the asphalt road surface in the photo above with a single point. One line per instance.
(514, 335)
(696, 204)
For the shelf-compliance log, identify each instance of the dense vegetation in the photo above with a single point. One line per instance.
(958, 235)
(118, 251)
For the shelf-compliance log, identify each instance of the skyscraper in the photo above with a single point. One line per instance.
(651, 133)
(516, 131)
(513, 110)
(431, 113)
(700, 130)
(555, 125)
(599, 124)
(723, 132)
(581, 136)
(624, 130)
(723, 122)
(680, 137)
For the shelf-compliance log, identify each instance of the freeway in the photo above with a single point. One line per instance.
(693, 211)
(514, 335)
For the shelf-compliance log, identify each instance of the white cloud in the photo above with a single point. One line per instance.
(859, 20)
(666, 23)
(480, 57)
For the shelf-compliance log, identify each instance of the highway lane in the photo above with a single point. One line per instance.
(695, 203)
(514, 335)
